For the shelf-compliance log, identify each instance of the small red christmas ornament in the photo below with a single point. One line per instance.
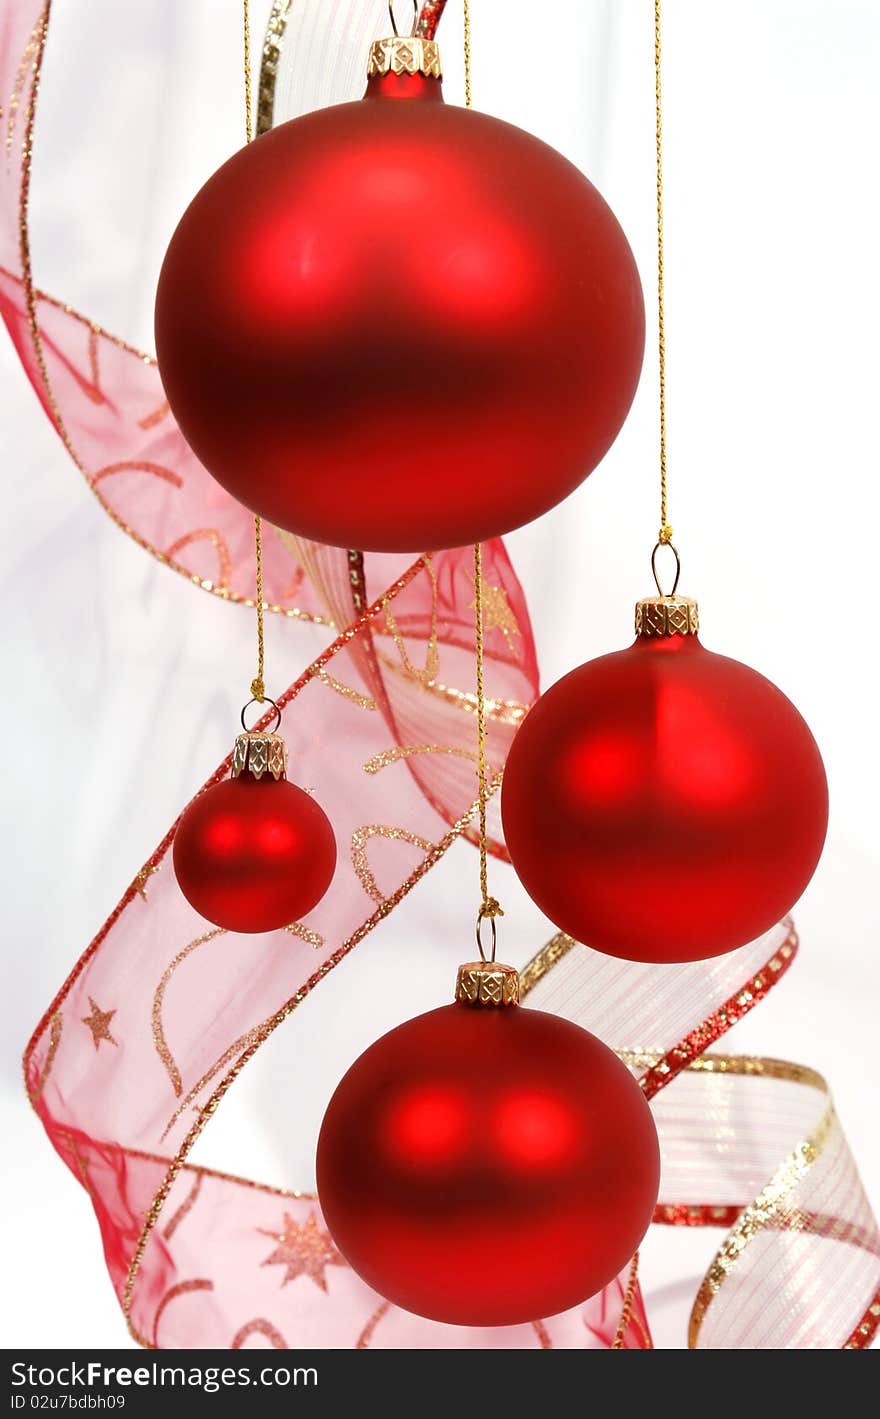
(664, 803)
(399, 245)
(254, 853)
(486, 1164)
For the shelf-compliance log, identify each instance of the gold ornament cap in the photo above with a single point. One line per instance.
(667, 613)
(259, 753)
(658, 616)
(487, 983)
(405, 55)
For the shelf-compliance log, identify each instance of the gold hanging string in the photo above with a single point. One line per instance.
(489, 906)
(248, 106)
(258, 684)
(664, 537)
(468, 97)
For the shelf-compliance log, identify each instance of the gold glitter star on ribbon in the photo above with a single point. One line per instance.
(497, 613)
(99, 1024)
(304, 1249)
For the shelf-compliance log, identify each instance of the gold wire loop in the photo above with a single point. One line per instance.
(265, 701)
(415, 23)
(667, 543)
(488, 912)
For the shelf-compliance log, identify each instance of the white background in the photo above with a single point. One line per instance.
(772, 110)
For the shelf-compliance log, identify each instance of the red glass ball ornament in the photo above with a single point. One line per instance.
(664, 803)
(254, 854)
(399, 325)
(487, 1166)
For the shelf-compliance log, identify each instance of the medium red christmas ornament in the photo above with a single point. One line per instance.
(254, 852)
(486, 1164)
(664, 803)
(399, 248)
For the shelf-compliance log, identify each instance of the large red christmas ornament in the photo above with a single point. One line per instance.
(254, 852)
(664, 803)
(399, 325)
(485, 1164)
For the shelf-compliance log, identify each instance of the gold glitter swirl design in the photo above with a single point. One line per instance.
(94, 391)
(504, 711)
(646, 1341)
(369, 1330)
(30, 56)
(35, 1091)
(185, 1208)
(237, 1047)
(159, 1040)
(356, 697)
(428, 673)
(543, 1334)
(294, 585)
(153, 470)
(306, 934)
(217, 541)
(149, 421)
(359, 861)
(410, 751)
(183, 1288)
(259, 1327)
